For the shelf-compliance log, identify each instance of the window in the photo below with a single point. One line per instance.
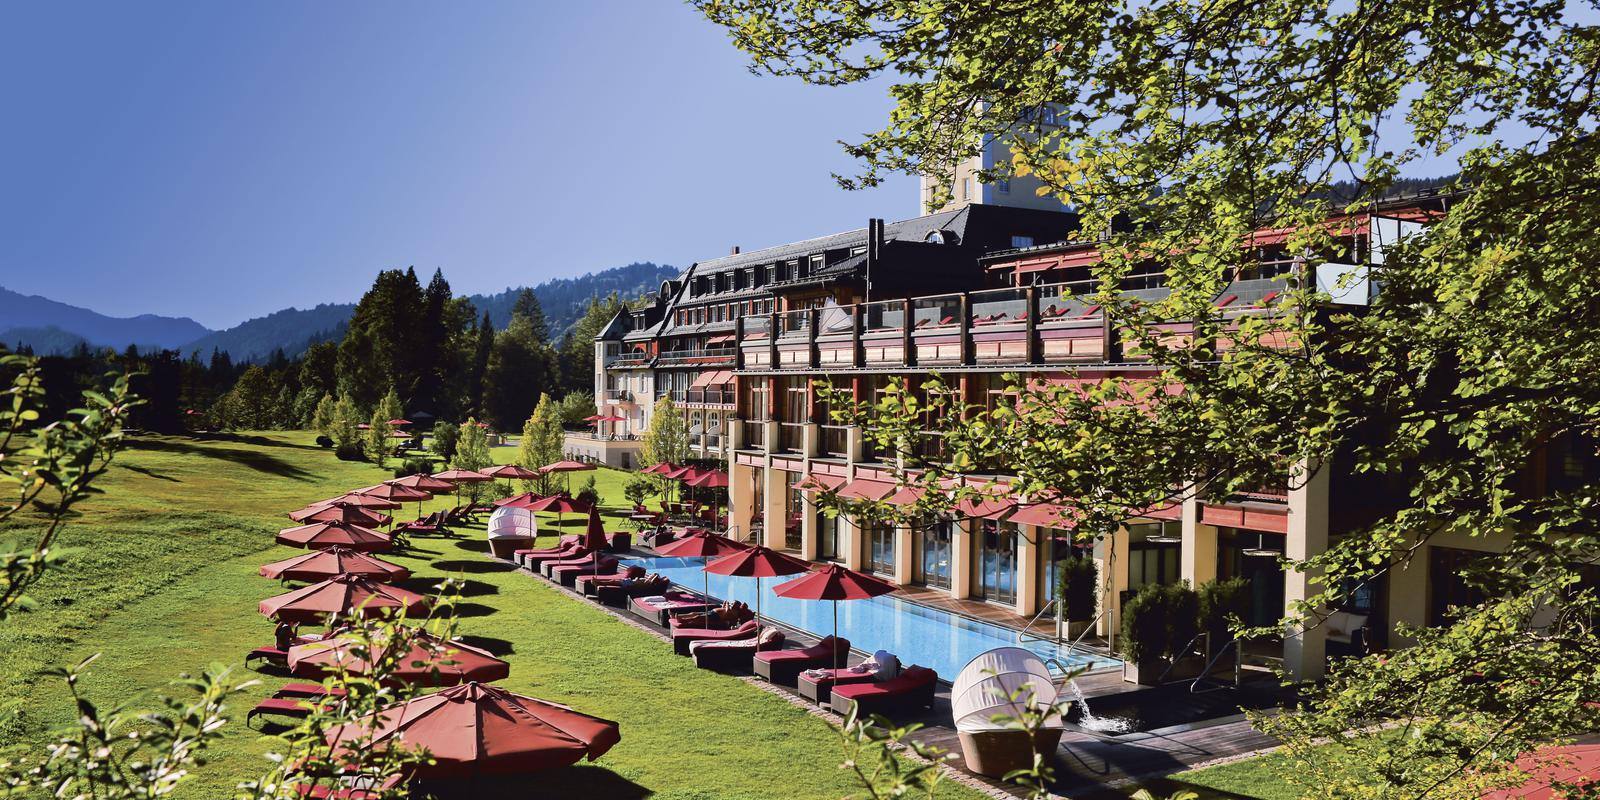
(856, 251)
(966, 188)
(881, 539)
(1003, 186)
(1021, 241)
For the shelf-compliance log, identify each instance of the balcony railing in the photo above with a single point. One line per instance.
(791, 436)
(705, 354)
(710, 397)
(755, 435)
(619, 395)
(835, 440)
(1042, 324)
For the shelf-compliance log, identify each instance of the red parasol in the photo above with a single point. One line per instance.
(365, 501)
(559, 504)
(459, 476)
(711, 479)
(701, 544)
(324, 564)
(389, 491)
(426, 483)
(833, 582)
(757, 562)
(340, 512)
(594, 537)
(476, 729)
(566, 466)
(660, 469)
(342, 595)
(520, 501)
(319, 535)
(514, 472)
(430, 661)
(399, 422)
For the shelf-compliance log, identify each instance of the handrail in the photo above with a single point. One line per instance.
(1182, 652)
(1205, 672)
(1024, 630)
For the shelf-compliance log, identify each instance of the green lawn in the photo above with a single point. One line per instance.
(166, 582)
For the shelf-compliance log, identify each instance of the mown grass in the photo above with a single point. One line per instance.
(165, 582)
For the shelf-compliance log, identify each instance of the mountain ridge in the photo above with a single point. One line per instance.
(292, 329)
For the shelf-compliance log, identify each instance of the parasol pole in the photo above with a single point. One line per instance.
(836, 635)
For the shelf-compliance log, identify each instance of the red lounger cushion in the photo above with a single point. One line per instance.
(683, 637)
(905, 686)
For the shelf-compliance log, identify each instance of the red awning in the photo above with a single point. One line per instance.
(985, 507)
(722, 339)
(907, 496)
(865, 489)
(702, 380)
(1047, 515)
(819, 482)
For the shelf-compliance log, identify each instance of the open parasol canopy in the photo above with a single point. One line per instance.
(566, 466)
(701, 544)
(428, 661)
(459, 476)
(520, 501)
(320, 535)
(365, 501)
(757, 562)
(426, 483)
(833, 582)
(324, 564)
(340, 512)
(661, 468)
(343, 595)
(389, 491)
(515, 472)
(476, 729)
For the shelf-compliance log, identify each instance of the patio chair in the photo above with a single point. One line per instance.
(619, 541)
(683, 637)
(617, 595)
(910, 691)
(784, 666)
(735, 656)
(659, 608)
(817, 685)
(270, 655)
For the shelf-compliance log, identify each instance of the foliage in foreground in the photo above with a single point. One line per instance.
(1176, 128)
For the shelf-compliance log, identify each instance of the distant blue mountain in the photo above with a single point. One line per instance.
(51, 327)
(37, 314)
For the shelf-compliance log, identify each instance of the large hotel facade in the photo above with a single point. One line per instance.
(974, 291)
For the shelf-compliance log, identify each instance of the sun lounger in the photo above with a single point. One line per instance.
(617, 595)
(270, 655)
(582, 558)
(683, 637)
(714, 619)
(909, 691)
(306, 690)
(532, 558)
(567, 574)
(817, 685)
(619, 542)
(659, 609)
(734, 656)
(589, 584)
(291, 707)
(783, 666)
(358, 792)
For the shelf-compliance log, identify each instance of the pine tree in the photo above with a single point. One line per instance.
(342, 427)
(667, 438)
(520, 368)
(472, 452)
(577, 346)
(478, 371)
(376, 442)
(542, 442)
(527, 306)
(322, 418)
(389, 406)
(380, 347)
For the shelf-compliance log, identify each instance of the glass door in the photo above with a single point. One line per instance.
(937, 540)
(827, 537)
(882, 539)
(997, 565)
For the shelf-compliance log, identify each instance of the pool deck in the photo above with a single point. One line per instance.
(1088, 765)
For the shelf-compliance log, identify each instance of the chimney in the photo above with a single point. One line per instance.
(734, 251)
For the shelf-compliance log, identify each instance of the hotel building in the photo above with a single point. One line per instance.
(972, 292)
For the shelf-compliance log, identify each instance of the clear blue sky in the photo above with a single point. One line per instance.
(222, 160)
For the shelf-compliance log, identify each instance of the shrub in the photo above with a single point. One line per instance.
(589, 493)
(324, 441)
(350, 452)
(444, 440)
(1077, 584)
(637, 489)
(1218, 601)
(1158, 622)
(414, 466)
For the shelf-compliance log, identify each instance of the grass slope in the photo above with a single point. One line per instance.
(166, 583)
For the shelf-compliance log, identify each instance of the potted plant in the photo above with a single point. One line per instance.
(1222, 602)
(1077, 587)
(1158, 624)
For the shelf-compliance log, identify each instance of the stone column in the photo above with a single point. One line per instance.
(1028, 553)
(904, 560)
(961, 555)
(1408, 596)
(741, 497)
(1198, 557)
(1305, 650)
(810, 525)
(1112, 553)
(774, 518)
(852, 543)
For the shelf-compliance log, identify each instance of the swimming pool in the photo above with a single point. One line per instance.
(915, 633)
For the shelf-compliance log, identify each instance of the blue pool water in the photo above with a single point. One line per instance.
(915, 633)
